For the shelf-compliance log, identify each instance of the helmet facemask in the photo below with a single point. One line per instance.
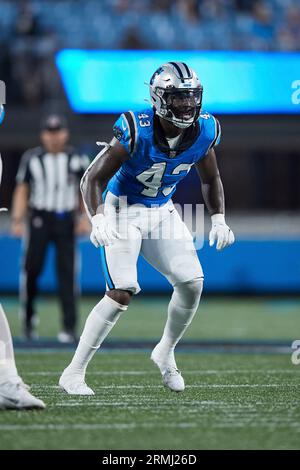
(176, 94)
(182, 106)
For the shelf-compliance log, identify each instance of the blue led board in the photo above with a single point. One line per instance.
(234, 82)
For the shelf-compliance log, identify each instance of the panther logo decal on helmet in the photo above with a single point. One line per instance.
(156, 73)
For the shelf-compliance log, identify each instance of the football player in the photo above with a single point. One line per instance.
(152, 150)
(14, 394)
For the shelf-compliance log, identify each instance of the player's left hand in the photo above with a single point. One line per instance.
(220, 232)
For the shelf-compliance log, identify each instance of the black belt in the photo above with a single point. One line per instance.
(56, 214)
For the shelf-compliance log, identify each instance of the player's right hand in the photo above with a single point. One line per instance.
(102, 232)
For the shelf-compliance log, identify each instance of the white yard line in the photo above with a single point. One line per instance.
(125, 426)
(152, 402)
(196, 372)
(141, 387)
(63, 427)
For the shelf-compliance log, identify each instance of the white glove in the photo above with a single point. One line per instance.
(102, 233)
(220, 232)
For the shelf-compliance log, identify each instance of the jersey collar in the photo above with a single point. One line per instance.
(187, 139)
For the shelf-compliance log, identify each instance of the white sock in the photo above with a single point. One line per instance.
(181, 310)
(8, 370)
(100, 321)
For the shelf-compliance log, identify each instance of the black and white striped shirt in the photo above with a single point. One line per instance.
(53, 178)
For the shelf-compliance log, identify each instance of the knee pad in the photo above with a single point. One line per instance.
(187, 294)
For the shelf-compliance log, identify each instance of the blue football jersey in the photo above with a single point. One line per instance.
(153, 170)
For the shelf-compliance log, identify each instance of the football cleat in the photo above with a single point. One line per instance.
(74, 384)
(171, 376)
(19, 380)
(173, 380)
(15, 396)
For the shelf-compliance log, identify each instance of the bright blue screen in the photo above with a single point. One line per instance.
(234, 82)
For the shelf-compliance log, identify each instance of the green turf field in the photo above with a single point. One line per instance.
(217, 318)
(232, 401)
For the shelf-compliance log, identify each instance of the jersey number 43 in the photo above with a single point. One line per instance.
(152, 178)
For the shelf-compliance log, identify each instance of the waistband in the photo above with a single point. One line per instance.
(57, 215)
(119, 203)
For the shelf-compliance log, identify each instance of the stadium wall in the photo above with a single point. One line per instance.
(249, 266)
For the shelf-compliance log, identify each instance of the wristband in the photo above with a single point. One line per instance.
(218, 219)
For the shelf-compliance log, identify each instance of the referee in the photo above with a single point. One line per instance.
(48, 192)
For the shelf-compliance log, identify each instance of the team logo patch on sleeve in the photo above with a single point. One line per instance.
(118, 132)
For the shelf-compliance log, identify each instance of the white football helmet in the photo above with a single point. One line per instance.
(176, 93)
